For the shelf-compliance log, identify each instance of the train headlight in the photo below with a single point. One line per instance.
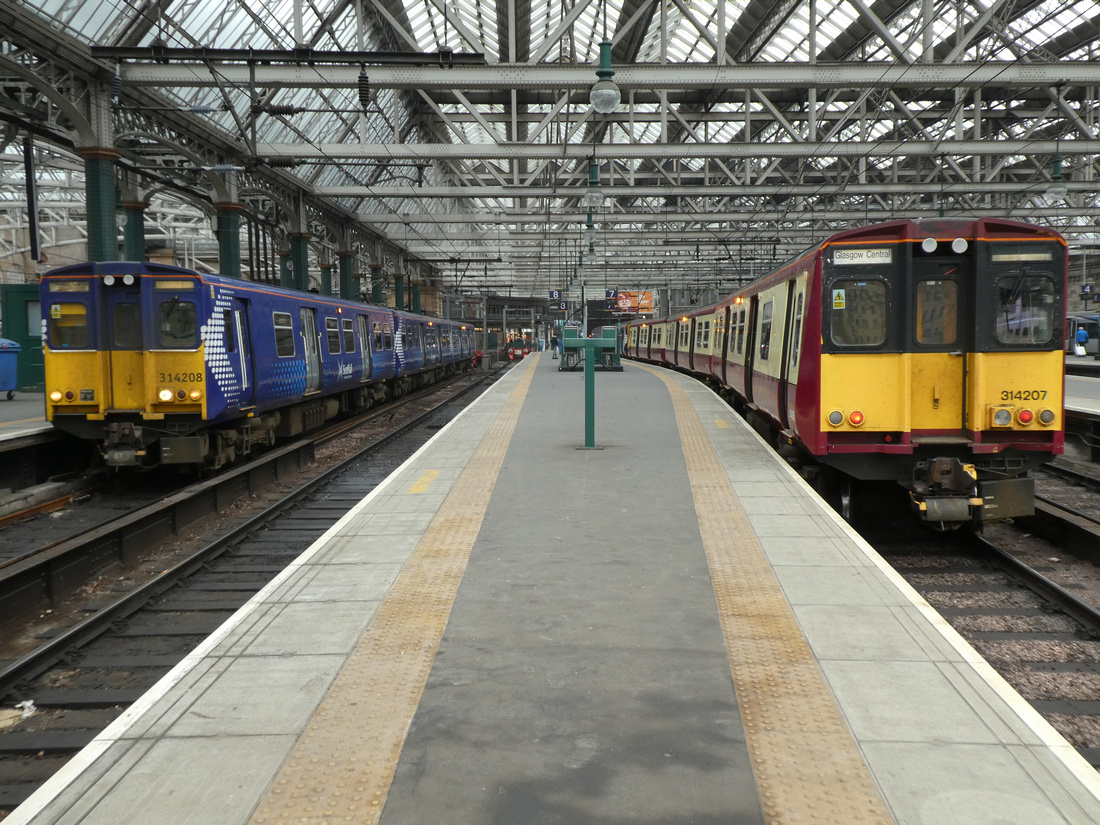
(1002, 417)
(1046, 417)
(69, 396)
(196, 395)
(181, 395)
(55, 396)
(836, 418)
(855, 418)
(165, 395)
(108, 280)
(1025, 416)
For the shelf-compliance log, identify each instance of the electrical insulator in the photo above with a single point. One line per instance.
(364, 90)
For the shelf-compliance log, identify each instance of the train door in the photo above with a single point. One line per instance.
(750, 345)
(367, 363)
(785, 364)
(126, 345)
(238, 349)
(727, 336)
(942, 330)
(312, 349)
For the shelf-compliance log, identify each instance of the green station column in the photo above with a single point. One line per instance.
(399, 291)
(229, 238)
(326, 278)
(349, 284)
(286, 275)
(133, 235)
(99, 187)
(299, 257)
(376, 284)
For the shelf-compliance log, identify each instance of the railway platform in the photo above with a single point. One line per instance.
(23, 415)
(671, 627)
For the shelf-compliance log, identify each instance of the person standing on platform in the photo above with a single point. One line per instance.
(554, 344)
(1082, 339)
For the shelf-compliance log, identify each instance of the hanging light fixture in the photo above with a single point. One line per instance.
(1057, 188)
(593, 195)
(605, 95)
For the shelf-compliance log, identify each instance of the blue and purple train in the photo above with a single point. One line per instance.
(162, 365)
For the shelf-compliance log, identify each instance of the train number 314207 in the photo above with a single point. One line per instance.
(1023, 395)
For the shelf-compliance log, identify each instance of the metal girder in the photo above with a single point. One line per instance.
(613, 151)
(637, 77)
(709, 190)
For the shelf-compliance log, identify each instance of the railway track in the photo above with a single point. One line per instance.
(1029, 607)
(132, 634)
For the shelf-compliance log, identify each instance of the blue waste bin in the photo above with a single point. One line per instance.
(9, 355)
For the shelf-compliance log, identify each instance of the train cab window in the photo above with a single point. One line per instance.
(126, 326)
(797, 324)
(937, 312)
(284, 334)
(766, 329)
(229, 331)
(1025, 306)
(332, 334)
(349, 336)
(857, 313)
(68, 326)
(179, 328)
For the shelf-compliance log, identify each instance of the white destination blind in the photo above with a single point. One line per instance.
(855, 257)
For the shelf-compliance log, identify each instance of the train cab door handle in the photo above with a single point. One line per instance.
(957, 352)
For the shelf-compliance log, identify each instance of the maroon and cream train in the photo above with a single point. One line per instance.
(923, 353)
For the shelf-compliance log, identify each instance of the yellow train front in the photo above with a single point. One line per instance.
(940, 362)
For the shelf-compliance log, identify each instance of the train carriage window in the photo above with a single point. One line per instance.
(1025, 305)
(937, 312)
(378, 343)
(797, 330)
(766, 329)
(741, 332)
(332, 333)
(179, 327)
(284, 334)
(857, 313)
(349, 335)
(126, 326)
(387, 335)
(229, 331)
(706, 334)
(68, 326)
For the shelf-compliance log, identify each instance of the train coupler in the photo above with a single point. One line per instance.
(945, 491)
(123, 445)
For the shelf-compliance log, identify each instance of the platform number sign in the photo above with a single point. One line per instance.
(1086, 289)
(562, 305)
(611, 294)
(555, 295)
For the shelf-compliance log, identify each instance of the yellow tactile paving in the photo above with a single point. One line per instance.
(807, 766)
(342, 766)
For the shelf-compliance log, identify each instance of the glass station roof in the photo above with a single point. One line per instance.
(756, 162)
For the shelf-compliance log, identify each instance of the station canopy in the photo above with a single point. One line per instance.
(458, 135)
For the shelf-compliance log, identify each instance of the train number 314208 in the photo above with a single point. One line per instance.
(1023, 395)
(182, 377)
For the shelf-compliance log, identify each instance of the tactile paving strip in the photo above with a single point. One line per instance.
(807, 766)
(342, 766)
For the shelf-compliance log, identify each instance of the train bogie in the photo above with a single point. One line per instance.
(168, 366)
